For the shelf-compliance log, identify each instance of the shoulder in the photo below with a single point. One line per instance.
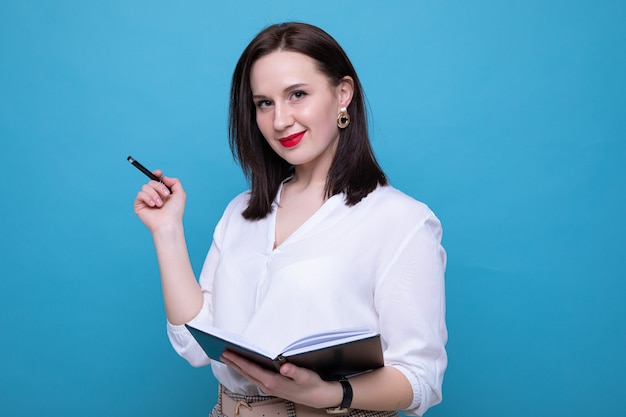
(388, 200)
(392, 209)
(234, 209)
(239, 203)
(232, 218)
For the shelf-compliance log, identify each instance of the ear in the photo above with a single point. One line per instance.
(345, 91)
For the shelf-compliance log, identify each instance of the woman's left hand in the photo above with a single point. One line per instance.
(300, 385)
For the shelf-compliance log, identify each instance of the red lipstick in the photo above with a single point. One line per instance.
(292, 140)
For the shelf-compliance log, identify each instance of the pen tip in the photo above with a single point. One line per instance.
(130, 159)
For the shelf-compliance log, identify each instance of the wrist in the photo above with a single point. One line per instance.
(346, 399)
(168, 231)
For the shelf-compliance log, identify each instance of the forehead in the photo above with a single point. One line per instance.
(280, 69)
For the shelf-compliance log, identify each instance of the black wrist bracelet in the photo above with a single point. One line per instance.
(347, 393)
(346, 401)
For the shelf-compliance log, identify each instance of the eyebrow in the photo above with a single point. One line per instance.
(286, 90)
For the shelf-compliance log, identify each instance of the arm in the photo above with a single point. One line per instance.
(162, 213)
(410, 301)
(383, 389)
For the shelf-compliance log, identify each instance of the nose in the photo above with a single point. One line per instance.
(283, 117)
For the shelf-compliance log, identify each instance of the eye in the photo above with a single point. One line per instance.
(263, 104)
(298, 95)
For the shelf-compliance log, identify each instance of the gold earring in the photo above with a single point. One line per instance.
(343, 118)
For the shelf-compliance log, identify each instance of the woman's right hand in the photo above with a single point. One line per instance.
(156, 207)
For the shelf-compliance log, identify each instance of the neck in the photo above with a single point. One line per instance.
(304, 179)
(312, 175)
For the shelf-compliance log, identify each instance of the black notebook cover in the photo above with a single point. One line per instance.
(331, 362)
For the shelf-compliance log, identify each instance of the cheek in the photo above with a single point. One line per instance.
(327, 124)
(261, 122)
(322, 117)
(266, 126)
(267, 130)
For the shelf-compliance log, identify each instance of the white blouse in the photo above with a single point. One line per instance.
(378, 264)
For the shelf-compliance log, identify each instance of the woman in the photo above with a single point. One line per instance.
(320, 242)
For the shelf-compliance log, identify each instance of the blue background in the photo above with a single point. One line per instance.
(506, 117)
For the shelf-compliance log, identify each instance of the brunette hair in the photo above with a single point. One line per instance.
(354, 170)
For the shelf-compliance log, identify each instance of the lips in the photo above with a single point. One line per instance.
(292, 140)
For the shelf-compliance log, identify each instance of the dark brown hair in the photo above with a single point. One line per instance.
(354, 170)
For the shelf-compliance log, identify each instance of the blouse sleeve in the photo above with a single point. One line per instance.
(411, 304)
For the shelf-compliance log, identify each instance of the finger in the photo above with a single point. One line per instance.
(240, 371)
(149, 195)
(290, 371)
(251, 371)
(160, 188)
(173, 183)
(301, 376)
(157, 177)
(236, 361)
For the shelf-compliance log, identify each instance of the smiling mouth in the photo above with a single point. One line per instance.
(292, 140)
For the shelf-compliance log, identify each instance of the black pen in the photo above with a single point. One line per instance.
(148, 173)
